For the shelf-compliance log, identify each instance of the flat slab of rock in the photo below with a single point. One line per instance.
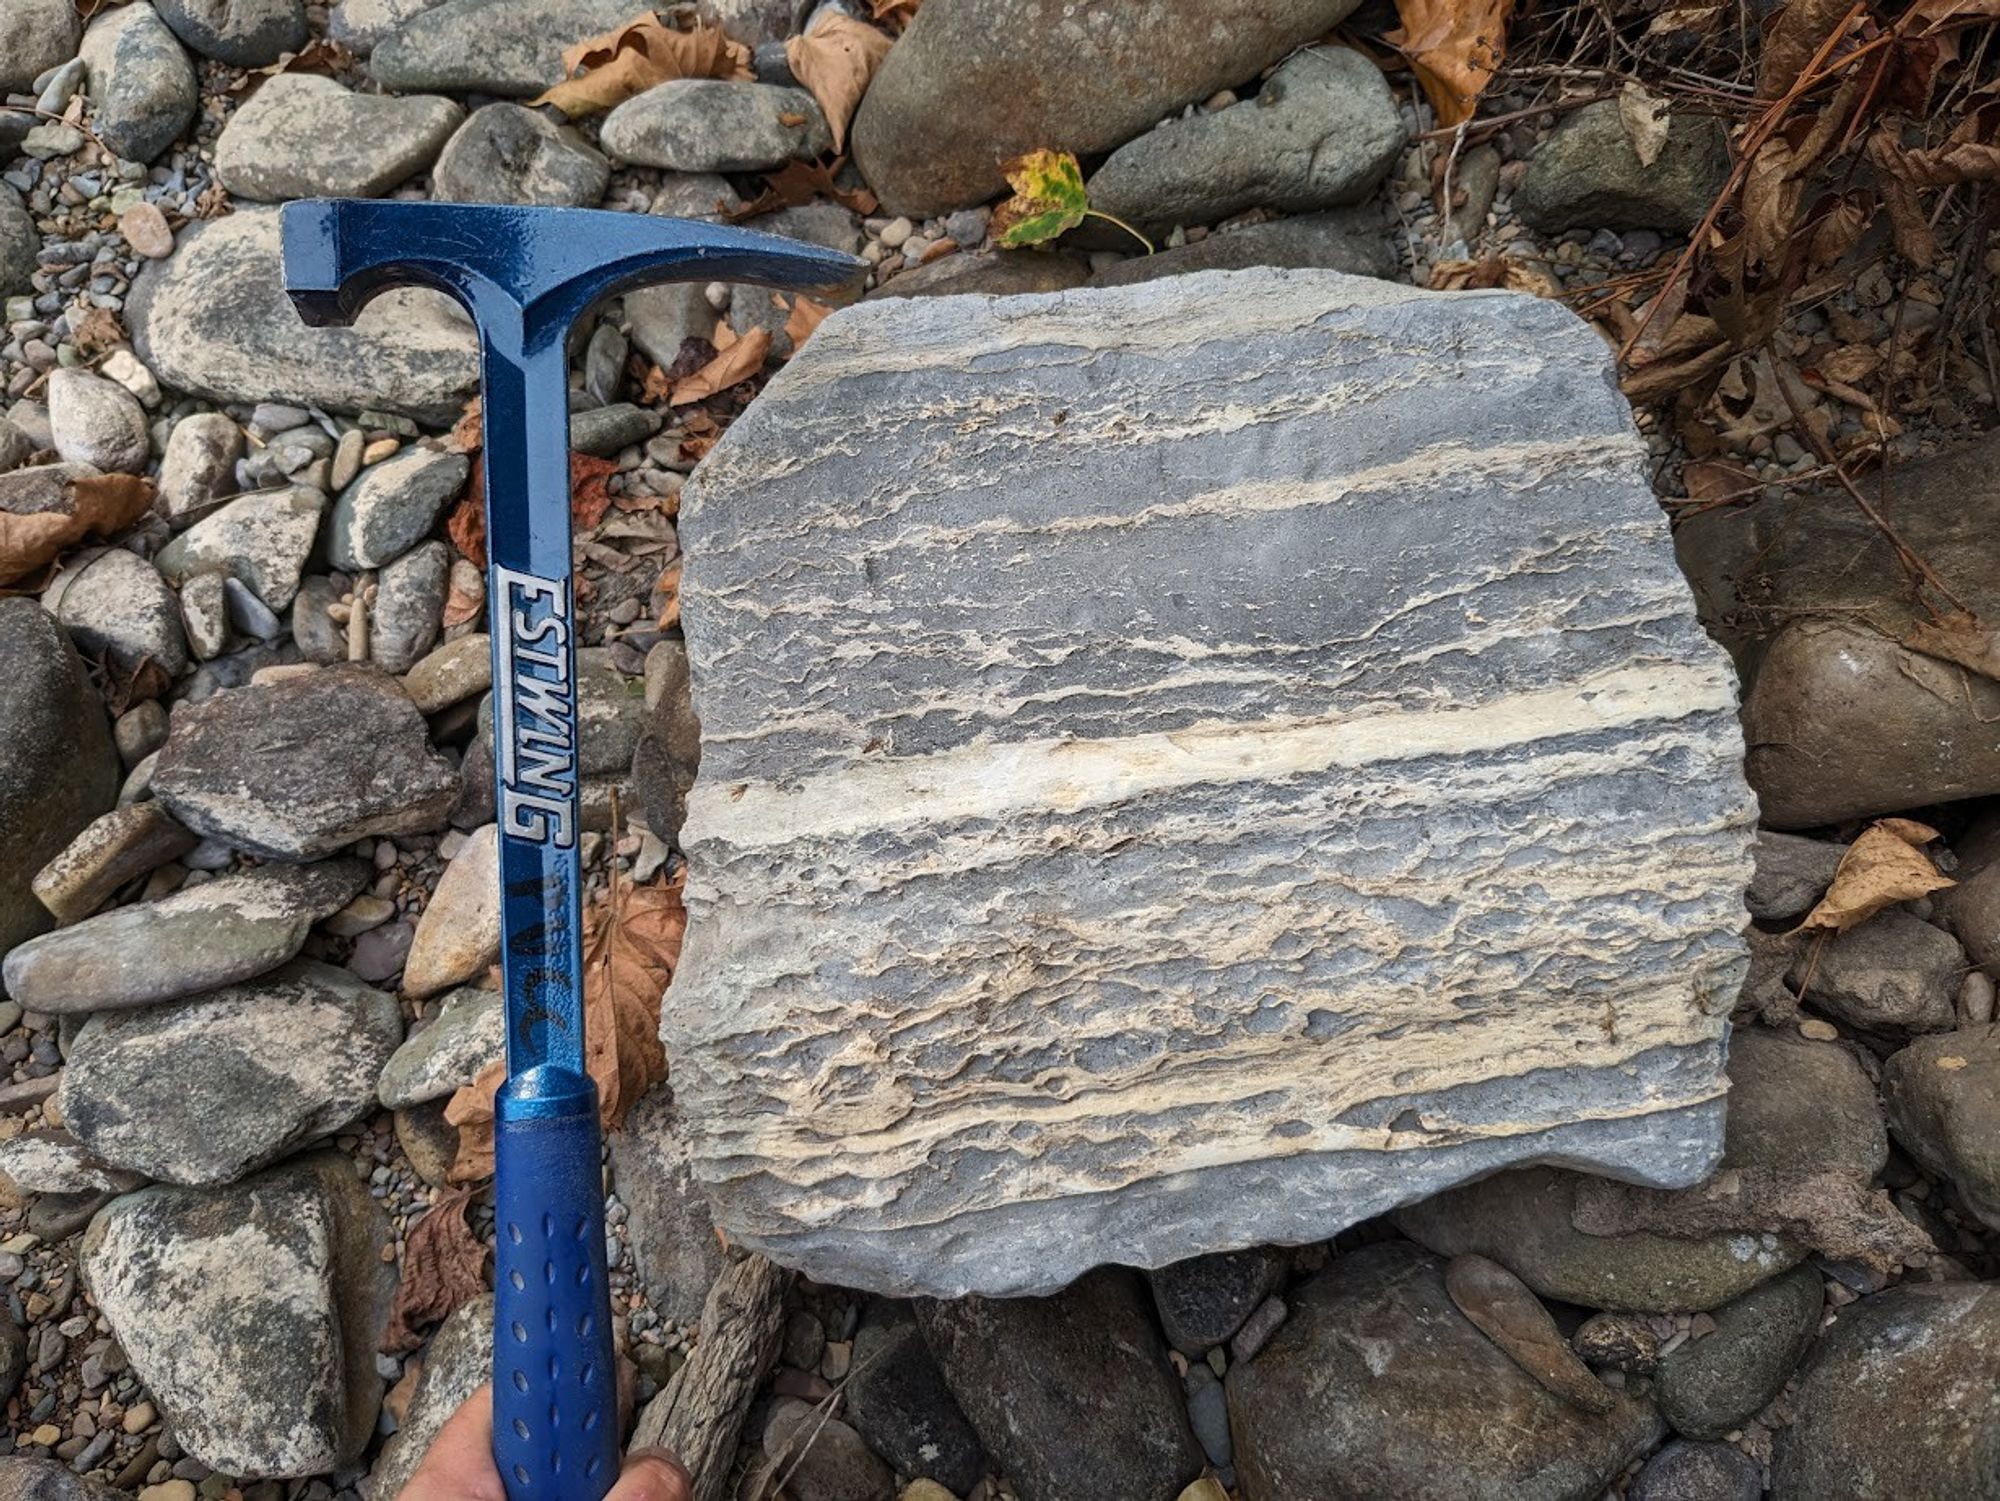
(261, 540)
(1249, 762)
(121, 846)
(716, 125)
(469, 1033)
(213, 320)
(299, 768)
(252, 1313)
(204, 1092)
(489, 46)
(304, 136)
(232, 928)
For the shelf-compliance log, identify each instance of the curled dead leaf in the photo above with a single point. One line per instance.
(97, 332)
(1835, 230)
(609, 68)
(588, 497)
(1770, 201)
(805, 316)
(1801, 29)
(801, 182)
(466, 434)
(1714, 481)
(1454, 47)
(1502, 271)
(835, 62)
(99, 505)
(444, 1266)
(1884, 866)
(734, 363)
(466, 526)
(667, 596)
(1646, 118)
(1959, 637)
(631, 944)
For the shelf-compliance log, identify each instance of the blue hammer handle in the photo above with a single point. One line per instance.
(526, 275)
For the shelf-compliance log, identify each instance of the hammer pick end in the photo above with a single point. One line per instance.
(309, 230)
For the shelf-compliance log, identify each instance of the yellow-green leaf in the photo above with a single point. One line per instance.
(1048, 199)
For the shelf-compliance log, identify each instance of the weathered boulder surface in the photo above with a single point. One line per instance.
(1378, 1389)
(489, 46)
(213, 320)
(232, 928)
(297, 768)
(58, 769)
(1859, 700)
(1249, 763)
(675, 1249)
(1322, 132)
(24, 1479)
(1943, 1097)
(1898, 1402)
(1071, 1394)
(252, 1313)
(973, 82)
(257, 1070)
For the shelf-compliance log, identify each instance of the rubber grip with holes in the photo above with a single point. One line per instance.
(555, 1384)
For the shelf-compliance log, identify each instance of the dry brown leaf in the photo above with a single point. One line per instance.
(894, 14)
(1771, 194)
(610, 68)
(1716, 480)
(1646, 119)
(1836, 230)
(1958, 638)
(1850, 363)
(444, 1266)
(1454, 47)
(1938, 15)
(629, 954)
(1493, 271)
(462, 604)
(1971, 153)
(734, 363)
(98, 332)
(1884, 866)
(1688, 20)
(467, 434)
(100, 505)
(806, 315)
(835, 61)
(801, 182)
(1908, 224)
(1798, 33)
(588, 498)
(466, 526)
(667, 590)
(320, 55)
(631, 943)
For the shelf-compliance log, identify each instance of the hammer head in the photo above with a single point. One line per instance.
(531, 269)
